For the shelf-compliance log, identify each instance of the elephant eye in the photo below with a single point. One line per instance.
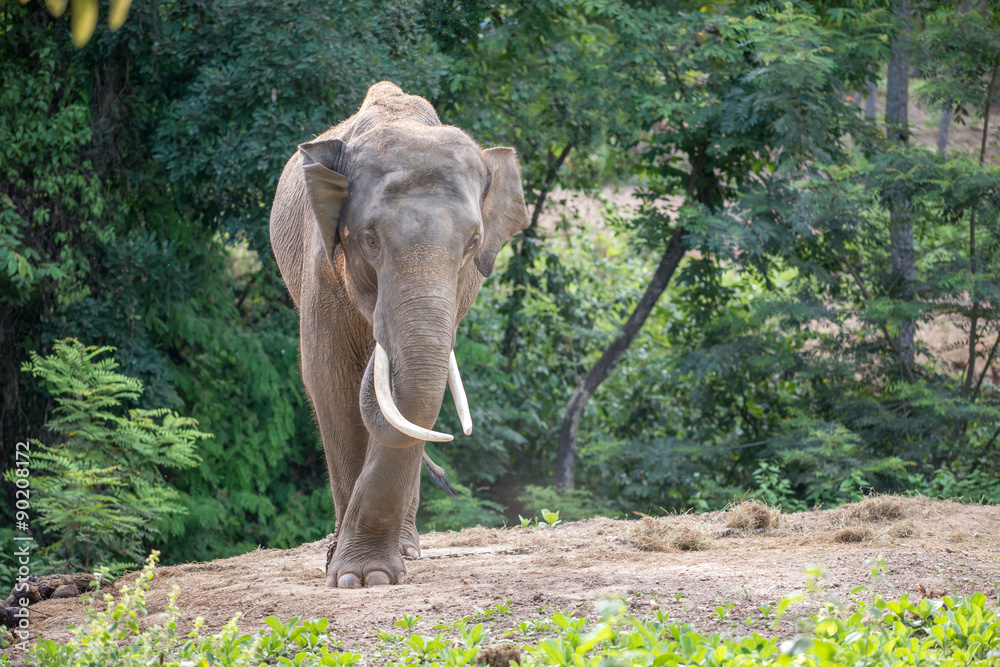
(371, 241)
(472, 243)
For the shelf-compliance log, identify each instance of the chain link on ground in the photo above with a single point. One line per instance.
(513, 551)
(331, 547)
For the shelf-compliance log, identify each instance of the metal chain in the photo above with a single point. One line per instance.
(500, 552)
(331, 547)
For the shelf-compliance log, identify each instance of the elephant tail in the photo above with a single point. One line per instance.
(439, 476)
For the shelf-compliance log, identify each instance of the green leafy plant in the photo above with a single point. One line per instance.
(772, 486)
(114, 636)
(408, 622)
(551, 518)
(98, 483)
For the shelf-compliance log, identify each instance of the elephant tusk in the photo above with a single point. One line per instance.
(458, 393)
(383, 394)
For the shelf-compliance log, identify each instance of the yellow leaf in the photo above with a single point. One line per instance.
(55, 7)
(84, 20)
(119, 12)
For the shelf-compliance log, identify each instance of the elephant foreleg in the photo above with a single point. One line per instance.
(333, 384)
(370, 536)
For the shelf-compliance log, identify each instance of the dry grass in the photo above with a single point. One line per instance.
(853, 534)
(668, 534)
(901, 530)
(477, 536)
(499, 656)
(932, 593)
(752, 516)
(875, 509)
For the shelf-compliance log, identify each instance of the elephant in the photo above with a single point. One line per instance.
(383, 228)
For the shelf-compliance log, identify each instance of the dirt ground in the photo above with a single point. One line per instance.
(733, 558)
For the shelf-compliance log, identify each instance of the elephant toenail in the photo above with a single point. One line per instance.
(377, 579)
(412, 553)
(349, 581)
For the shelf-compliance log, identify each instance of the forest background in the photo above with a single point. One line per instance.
(757, 318)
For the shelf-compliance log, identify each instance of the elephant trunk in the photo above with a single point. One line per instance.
(403, 386)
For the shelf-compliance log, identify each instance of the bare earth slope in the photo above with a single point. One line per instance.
(945, 547)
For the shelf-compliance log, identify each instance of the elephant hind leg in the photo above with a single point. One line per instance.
(409, 538)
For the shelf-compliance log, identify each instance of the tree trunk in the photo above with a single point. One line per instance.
(566, 455)
(973, 259)
(943, 128)
(902, 256)
(10, 382)
(871, 101)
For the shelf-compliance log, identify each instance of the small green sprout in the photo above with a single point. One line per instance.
(474, 636)
(408, 622)
(722, 610)
(389, 637)
(551, 518)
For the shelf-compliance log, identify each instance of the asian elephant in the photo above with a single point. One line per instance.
(383, 228)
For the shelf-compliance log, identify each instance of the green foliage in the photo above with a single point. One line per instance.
(772, 486)
(959, 60)
(98, 485)
(976, 485)
(947, 633)
(442, 512)
(573, 504)
(114, 636)
(50, 200)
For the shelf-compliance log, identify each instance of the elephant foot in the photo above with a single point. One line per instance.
(355, 565)
(409, 541)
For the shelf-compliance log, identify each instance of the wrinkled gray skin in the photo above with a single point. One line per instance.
(383, 228)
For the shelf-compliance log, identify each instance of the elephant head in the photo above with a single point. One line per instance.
(412, 216)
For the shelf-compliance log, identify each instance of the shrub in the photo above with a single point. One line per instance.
(116, 636)
(98, 485)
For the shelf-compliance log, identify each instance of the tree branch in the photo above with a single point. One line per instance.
(568, 430)
(986, 113)
(989, 362)
(550, 177)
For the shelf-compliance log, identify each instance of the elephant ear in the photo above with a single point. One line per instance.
(504, 212)
(325, 187)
